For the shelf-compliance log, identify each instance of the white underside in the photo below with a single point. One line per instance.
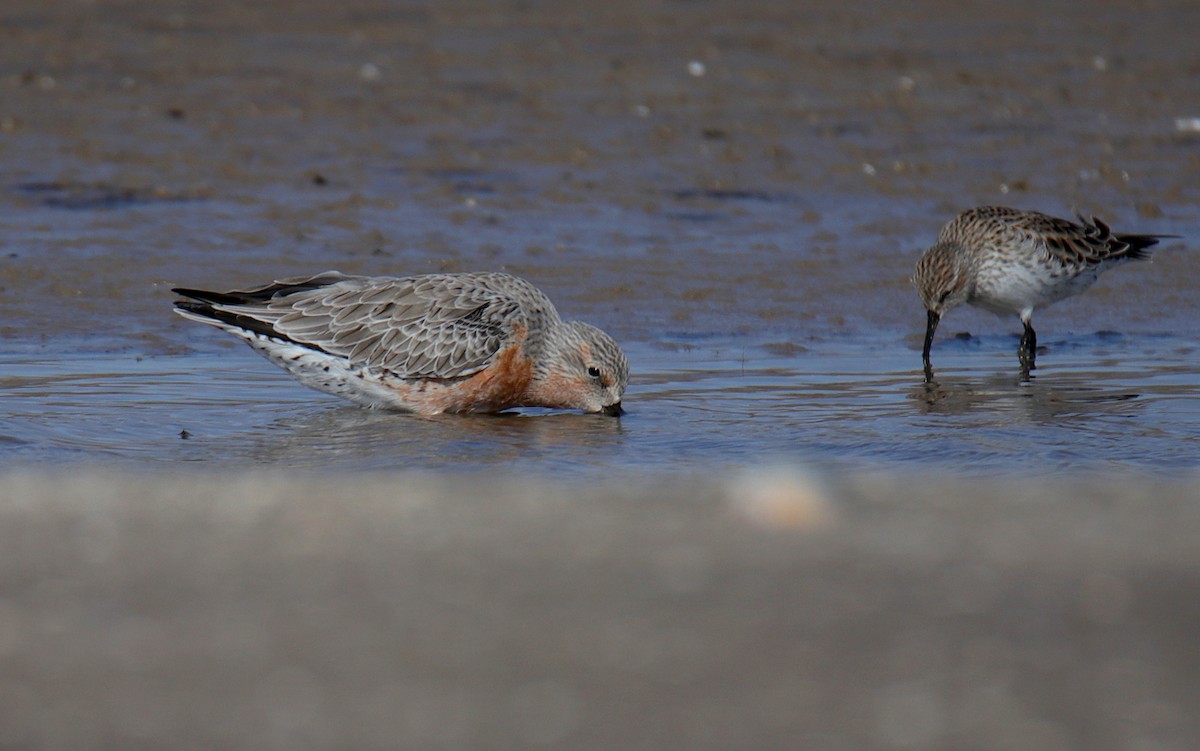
(323, 372)
(1017, 289)
(317, 370)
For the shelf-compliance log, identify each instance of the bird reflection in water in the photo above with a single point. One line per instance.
(355, 438)
(1045, 399)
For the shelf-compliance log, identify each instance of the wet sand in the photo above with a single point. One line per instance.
(764, 169)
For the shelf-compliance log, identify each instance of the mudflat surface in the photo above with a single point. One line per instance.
(760, 169)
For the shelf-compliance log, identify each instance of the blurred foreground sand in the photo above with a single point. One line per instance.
(768, 610)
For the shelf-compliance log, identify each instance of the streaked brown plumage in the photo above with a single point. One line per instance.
(1011, 261)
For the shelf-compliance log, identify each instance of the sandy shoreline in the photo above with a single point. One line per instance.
(770, 610)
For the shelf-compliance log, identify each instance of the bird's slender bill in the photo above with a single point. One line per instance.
(613, 410)
(931, 324)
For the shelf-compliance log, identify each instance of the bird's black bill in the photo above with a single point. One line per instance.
(931, 324)
(613, 410)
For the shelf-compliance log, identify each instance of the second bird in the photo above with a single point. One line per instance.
(1011, 261)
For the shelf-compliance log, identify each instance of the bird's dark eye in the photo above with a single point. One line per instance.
(593, 371)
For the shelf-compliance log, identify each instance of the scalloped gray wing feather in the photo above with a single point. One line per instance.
(436, 326)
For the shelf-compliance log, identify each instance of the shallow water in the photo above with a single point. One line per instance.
(736, 192)
(1099, 402)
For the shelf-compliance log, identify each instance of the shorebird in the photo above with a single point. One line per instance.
(1011, 261)
(453, 343)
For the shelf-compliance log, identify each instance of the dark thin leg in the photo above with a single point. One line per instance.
(931, 324)
(1028, 349)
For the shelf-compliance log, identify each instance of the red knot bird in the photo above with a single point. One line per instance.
(1011, 261)
(430, 344)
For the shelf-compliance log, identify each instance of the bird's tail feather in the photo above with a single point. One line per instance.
(1139, 245)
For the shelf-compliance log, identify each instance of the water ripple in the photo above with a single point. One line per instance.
(701, 408)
